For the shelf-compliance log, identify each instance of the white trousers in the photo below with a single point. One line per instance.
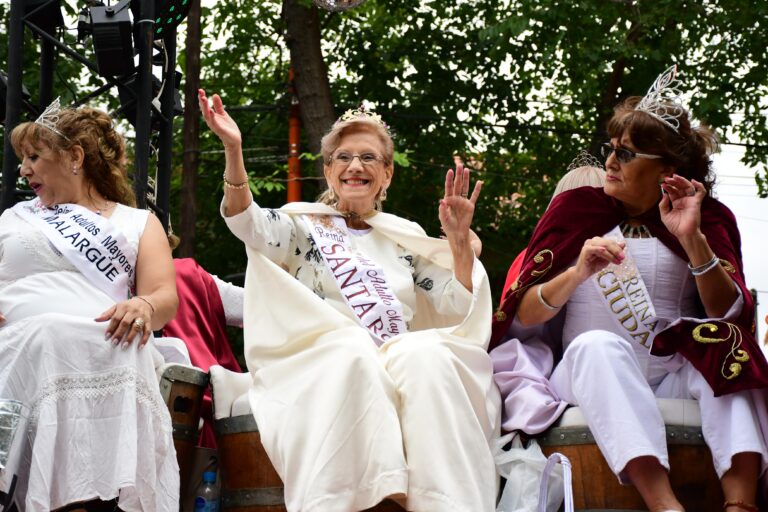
(347, 424)
(600, 373)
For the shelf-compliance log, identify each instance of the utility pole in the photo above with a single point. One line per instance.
(294, 135)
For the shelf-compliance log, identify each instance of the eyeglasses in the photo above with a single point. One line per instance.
(624, 156)
(345, 159)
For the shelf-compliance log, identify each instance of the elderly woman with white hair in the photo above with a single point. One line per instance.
(366, 339)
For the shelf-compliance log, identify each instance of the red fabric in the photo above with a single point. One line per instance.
(580, 214)
(514, 271)
(201, 324)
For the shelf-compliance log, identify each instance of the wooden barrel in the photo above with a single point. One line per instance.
(249, 482)
(182, 388)
(596, 487)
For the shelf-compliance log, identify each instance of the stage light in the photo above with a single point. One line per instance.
(337, 5)
(112, 39)
(168, 14)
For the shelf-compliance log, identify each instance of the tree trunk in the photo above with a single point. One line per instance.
(191, 134)
(608, 99)
(310, 73)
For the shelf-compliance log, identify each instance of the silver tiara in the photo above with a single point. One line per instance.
(362, 112)
(585, 159)
(50, 117)
(663, 100)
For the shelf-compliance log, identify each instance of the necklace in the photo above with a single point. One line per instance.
(98, 211)
(106, 208)
(630, 231)
(357, 220)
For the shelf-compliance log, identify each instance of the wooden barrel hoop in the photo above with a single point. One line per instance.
(596, 488)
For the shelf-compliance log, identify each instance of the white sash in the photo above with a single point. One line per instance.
(623, 292)
(361, 281)
(90, 242)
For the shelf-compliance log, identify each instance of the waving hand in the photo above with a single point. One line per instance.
(218, 120)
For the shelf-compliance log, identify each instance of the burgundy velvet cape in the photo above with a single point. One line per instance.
(200, 323)
(712, 347)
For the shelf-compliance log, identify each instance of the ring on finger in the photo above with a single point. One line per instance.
(691, 192)
(139, 323)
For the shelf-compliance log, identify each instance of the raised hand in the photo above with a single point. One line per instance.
(218, 120)
(681, 205)
(456, 209)
(596, 254)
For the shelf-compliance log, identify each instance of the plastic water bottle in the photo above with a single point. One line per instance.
(207, 495)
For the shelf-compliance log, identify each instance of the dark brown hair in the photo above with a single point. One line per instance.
(689, 149)
(103, 148)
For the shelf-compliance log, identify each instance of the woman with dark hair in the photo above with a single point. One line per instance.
(98, 428)
(645, 277)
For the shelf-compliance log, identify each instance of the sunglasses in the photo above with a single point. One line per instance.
(624, 156)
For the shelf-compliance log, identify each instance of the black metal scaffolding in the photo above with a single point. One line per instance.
(141, 91)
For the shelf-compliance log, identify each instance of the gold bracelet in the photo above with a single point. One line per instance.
(234, 186)
(147, 301)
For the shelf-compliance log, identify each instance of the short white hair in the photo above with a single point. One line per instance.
(585, 176)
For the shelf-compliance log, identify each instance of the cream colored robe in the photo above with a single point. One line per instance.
(347, 423)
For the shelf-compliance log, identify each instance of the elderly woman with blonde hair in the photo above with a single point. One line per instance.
(364, 337)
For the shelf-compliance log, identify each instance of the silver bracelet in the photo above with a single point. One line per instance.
(706, 267)
(544, 302)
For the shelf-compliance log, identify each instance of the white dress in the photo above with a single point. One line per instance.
(615, 380)
(98, 427)
(347, 423)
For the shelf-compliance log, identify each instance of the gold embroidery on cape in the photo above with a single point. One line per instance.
(728, 266)
(500, 315)
(539, 258)
(739, 355)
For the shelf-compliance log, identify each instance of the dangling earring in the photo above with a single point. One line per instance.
(74, 170)
(331, 195)
(383, 194)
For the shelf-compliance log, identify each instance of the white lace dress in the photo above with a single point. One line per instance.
(98, 427)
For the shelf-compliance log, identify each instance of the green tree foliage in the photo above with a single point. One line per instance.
(517, 88)
(514, 87)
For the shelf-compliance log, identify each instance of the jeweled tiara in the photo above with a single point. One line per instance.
(362, 112)
(50, 117)
(585, 159)
(663, 100)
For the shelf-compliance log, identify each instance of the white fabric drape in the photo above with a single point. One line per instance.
(347, 424)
